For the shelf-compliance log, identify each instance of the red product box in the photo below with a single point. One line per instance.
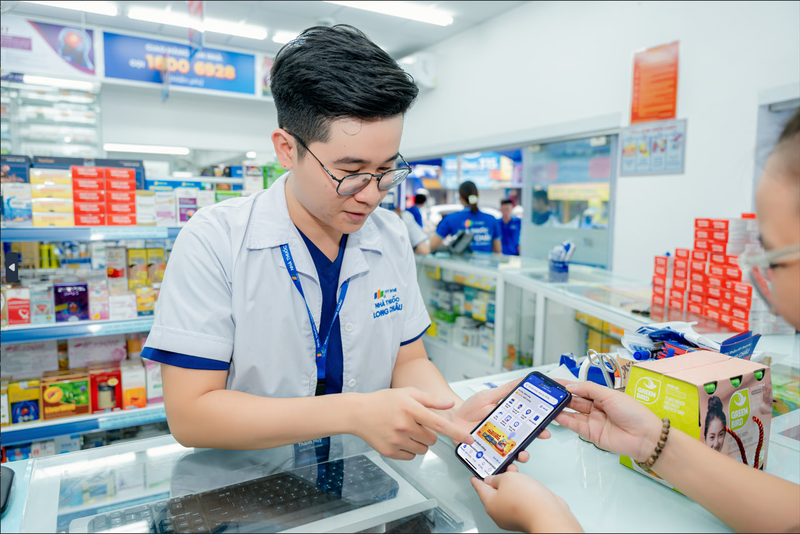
(681, 284)
(113, 173)
(716, 270)
(120, 185)
(125, 197)
(660, 290)
(121, 208)
(724, 318)
(702, 244)
(740, 301)
(720, 235)
(702, 223)
(733, 273)
(89, 208)
(741, 314)
(662, 261)
(740, 326)
(714, 302)
(683, 253)
(88, 184)
(717, 259)
(697, 266)
(715, 292)
(98, 219)
(659, 281)
(696, 287)
(725, 307)
(700, 233)
(676, 294)
(676, 304)
(729, 284)
(661, 271)
(742, 288)
(733, 261)
(680, 273)
(681, 264)
(95, 195)
(697, 309)
(88, 172)
(657, 312)
(711, 312)
(697, 298)
(659, 300)
(699, 255)
(720, 224)
(716, 246)
(106, 386)
(715, 281)
(699, 278)
(113, 219)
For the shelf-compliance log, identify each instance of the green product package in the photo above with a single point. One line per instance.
(225, 195)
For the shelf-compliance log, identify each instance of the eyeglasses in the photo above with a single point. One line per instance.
(353, 183)
(759, 265)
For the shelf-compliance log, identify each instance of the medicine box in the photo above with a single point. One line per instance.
(186, 201)
(87, 172)
(52, 205)
(95, 195)
(53, 219)
(134, 385)
(23, 400)
(5, 417)
(165, 208)
(122, 306)
(98, 219)
(18, 305)
(703, 393)
(61, 191)
(65, 393)
(98, 300)
(17, 207)
(72, 302)
(146, 208)
(117, 219)
(117, 262)
(137, 268)
(145, 302)
(155, 391)
(87, 351)
(106, 385)
(30, 359)
(4, 306)
(42, 304)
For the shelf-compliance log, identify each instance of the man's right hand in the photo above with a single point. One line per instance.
(399, 423)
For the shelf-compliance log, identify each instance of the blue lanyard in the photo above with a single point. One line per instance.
(321, 348)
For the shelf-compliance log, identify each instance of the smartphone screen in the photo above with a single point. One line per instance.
(510, 427)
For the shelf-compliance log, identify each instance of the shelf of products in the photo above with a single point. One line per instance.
(79, 329)
(88, 233)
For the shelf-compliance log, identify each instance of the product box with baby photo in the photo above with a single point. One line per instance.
(722, 401)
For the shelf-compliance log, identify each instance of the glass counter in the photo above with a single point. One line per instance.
(431, 493)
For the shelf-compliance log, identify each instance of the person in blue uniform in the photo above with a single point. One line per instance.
(484, 228)
(419, 201)
(510, 228)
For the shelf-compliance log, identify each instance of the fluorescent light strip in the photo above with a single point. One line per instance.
(147, 149)
(183, 20)
(403, 10)
(182, 174)
(89, 6)
(284, 37)
(59, 83)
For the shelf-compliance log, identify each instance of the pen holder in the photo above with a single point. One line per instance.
(559, 271)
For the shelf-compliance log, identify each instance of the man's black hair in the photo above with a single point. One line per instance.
(420, 199)
(335, 73)
(506, 201)
(541, 194)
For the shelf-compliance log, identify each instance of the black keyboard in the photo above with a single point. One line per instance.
(268, 504)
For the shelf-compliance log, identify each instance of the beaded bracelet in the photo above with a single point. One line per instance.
(650, 462)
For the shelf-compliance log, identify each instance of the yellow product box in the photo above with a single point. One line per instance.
(145, 301)
(52, 205)
(51, 176)
(137, 268)
(134, 384)
(711, 397)
(51, 191)
(156, 265)
(5, 417)
(23, 400)
(66, 393)
(53, 219)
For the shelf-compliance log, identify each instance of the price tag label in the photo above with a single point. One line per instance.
(131, 418)
(110, 233)
(122, 327)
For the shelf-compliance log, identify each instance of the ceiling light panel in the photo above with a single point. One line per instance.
(147, 149)
(89, 6)
(404, 10)
(183, 20)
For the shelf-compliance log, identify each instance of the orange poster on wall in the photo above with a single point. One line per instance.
(655, 84)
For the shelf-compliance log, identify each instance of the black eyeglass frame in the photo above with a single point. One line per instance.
(377, 177)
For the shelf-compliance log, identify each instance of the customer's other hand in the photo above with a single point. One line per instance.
(521, 503)
(612, 420)
(478, 407)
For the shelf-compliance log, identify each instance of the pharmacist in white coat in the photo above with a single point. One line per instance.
(294, 314)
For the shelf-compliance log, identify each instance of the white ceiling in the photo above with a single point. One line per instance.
(397, 36)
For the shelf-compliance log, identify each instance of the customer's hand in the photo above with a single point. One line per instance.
(399, 423)
(521, 503)
(612, 420)
(478, 407)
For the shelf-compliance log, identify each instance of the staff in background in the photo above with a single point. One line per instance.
(510, 228)
(419, 203)
(542, 214)
(484, 228)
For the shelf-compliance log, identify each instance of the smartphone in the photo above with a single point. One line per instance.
(513, 425)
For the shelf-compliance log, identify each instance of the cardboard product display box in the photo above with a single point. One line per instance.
(106, 382)
(65, 393)
(711, 397)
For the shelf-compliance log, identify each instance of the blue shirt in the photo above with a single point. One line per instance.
(413, 210)
(328, 273)
(483, 227)
(510, 236)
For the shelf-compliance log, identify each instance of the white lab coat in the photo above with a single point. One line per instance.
(227, 296)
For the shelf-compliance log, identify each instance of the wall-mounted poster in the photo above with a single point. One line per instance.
(653, 148)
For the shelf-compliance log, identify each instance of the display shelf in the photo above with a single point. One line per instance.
(82, 424)
(27, 333)
(87, 233)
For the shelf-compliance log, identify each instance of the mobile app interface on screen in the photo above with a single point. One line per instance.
(510, 424)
